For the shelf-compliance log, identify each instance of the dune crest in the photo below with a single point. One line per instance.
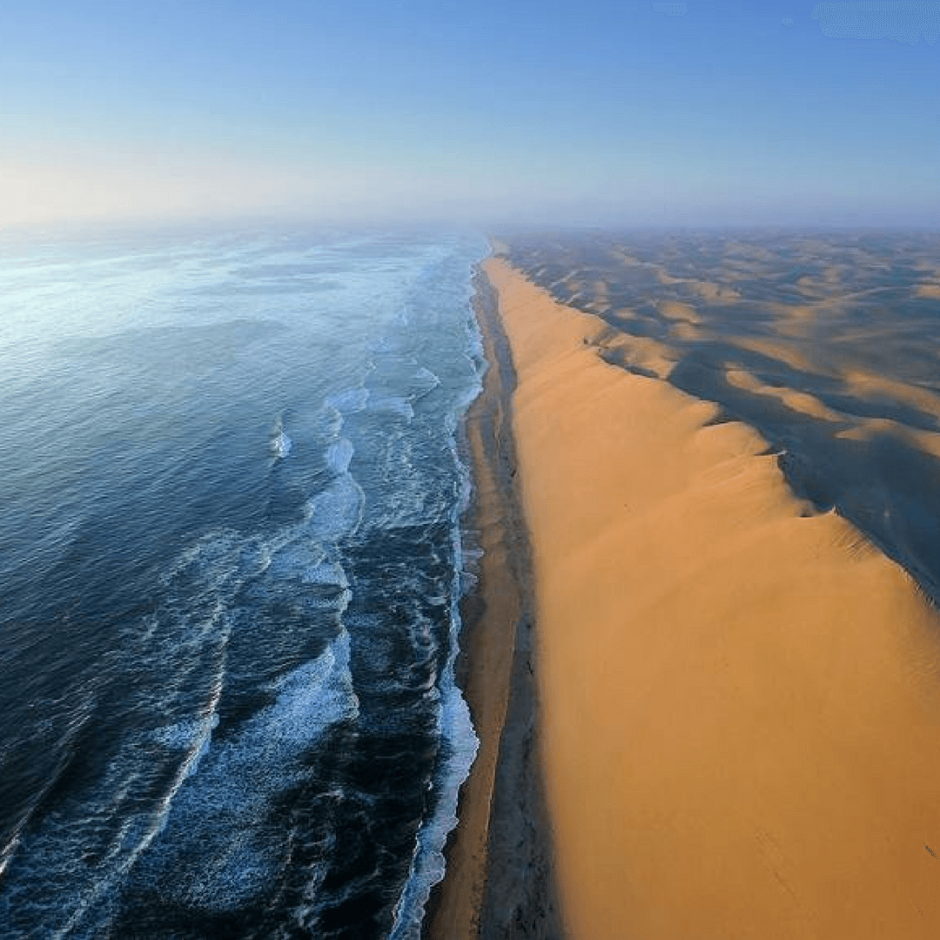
(740, 697)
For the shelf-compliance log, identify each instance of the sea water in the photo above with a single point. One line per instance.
(230, 565)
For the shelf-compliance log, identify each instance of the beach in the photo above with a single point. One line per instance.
(500, 879)
(738, 694)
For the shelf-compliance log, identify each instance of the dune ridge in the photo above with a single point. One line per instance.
(739, 696)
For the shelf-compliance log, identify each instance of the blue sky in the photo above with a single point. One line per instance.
(486, 112)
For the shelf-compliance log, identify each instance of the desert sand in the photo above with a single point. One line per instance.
(739, 697)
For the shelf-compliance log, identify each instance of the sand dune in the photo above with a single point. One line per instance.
(864, 349)
(638, 354)
(867, 384)
(779, 350)
(740, 698)
(675, 310)
(801, 402)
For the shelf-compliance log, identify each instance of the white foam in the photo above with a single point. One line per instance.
(464, 401)
(281, 445)
(198, 745)
(391, 404)
(349, 400)
(426, 380)
(337, 510)
(312, 697)
(294, 558)
(181, 734)
(428, 863)
(339, 455)
(326, 573)
(220, 813)
(217, 814)
(468, 581)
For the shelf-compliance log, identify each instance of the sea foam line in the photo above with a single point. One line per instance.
(428, 864)
(158, 819)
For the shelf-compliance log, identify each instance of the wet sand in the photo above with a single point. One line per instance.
(739, 694)
(499, 880)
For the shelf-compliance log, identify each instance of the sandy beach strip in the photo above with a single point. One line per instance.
(739, 697)
(499, 878)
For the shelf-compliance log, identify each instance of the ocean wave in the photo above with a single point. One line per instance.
(281, 445)
(428, 865)
(391, 404)
(335, 511)
(75, 864)
(339, 455)
(424, 382)
(349, 400)
(461, 743)
(219, 814)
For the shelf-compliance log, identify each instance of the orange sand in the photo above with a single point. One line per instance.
(740, 700)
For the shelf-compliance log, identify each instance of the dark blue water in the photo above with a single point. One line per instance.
(230, 560)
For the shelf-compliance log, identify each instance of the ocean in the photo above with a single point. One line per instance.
(231, 559)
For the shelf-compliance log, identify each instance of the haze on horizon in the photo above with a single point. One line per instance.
(631, 113)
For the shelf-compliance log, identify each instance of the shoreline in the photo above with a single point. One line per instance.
(499, 876)
(739, 695)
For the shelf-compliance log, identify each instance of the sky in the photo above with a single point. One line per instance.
(489, 112)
